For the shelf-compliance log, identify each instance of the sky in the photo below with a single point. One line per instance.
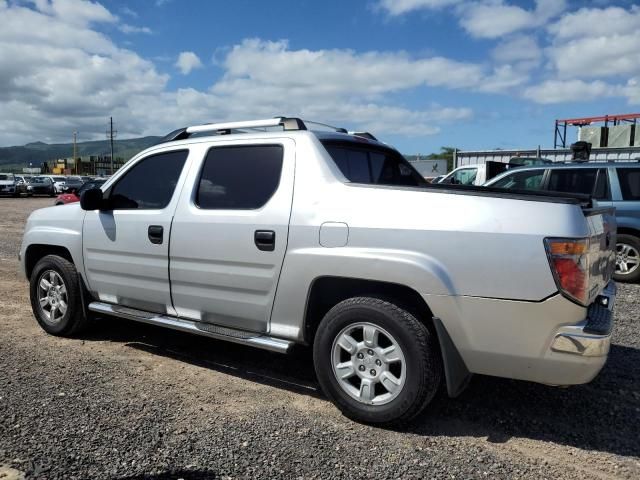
(418, 74)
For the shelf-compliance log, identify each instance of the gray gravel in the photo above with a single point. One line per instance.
(133, 401)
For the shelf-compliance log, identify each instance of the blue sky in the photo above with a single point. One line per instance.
(419, 74)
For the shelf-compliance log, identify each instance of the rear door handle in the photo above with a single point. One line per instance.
(156, 233)
(265, 240)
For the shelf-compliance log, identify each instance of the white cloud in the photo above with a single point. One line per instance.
(632, 91)
(188, 61)
(495, 18)
(126, 28)
(596, 43)
(400, 7)
(597, 22)
(503, 79)
(517, 49)
(559, 91)
(128, 11)
(75, 12)
(61, 75)
(58, 75)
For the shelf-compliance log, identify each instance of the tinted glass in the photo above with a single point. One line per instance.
(150, 183)
(371, 165)
(466, 176)
(578, 180)
(88, 186)
(629, 183)
(601, 191)
(522, 181)
(239, 178)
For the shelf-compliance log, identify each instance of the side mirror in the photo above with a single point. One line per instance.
(91, 199)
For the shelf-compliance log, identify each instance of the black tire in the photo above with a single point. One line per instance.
(59, 203)
(73, 321)
(634, 243)
(419, 347)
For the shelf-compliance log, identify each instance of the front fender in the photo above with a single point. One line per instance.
(59, 226)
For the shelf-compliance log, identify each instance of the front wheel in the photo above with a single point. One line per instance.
(627, 259)
(55, 296)
(376, 361)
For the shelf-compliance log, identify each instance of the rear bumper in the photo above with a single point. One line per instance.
(555, 342)
(592, 336)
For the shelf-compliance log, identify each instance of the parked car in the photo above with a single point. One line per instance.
(611, 184)
(9, 185)
(41, 185)
(481, 173)
(58, 182)
(72, 183)
(22, 183)
(396, 283)
(73, 195)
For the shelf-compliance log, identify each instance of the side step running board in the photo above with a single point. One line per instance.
(199, 328)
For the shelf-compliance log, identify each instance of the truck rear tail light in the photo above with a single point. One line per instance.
(569, 262)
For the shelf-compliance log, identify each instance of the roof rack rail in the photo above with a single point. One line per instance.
(226, 128)
(363, 135)
(330, 127)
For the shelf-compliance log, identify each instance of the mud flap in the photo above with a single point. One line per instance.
(456, 373)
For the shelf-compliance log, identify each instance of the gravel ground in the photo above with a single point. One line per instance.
(129, 401)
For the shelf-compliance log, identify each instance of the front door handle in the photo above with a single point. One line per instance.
(156, 233)
(265, 240)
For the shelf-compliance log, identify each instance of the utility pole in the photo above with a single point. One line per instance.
(111, 134)
(75, 154)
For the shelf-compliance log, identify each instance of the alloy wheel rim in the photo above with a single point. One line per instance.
(368, 363)
(627, 259)
(52, 297)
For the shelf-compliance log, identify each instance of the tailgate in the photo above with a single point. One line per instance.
(602, 245)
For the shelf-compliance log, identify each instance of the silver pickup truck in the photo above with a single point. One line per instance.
(273, 232)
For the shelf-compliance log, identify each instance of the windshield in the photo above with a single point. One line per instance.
(58, 179)
(371, 164)
(6, 176)
(40, 180)
(74, 179)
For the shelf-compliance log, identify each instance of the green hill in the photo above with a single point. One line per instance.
(38, 152)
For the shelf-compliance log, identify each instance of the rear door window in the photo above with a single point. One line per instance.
(464, 176)
(373, 165)
(531, 180)
(573, 180)
(629, 183)
(239, 177)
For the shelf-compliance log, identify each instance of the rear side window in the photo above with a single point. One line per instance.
(629, 183)
(371, 165)
(150, 183)
(239, 178)
(522, 181)
(569, 180)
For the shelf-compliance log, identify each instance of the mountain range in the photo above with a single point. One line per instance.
(15, 158)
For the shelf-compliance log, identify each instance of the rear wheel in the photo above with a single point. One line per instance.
(627, 259)
(376, 361)
(55, 296)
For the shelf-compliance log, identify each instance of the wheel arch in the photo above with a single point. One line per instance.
(629, 231)
(37, 251)
(327, 291)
